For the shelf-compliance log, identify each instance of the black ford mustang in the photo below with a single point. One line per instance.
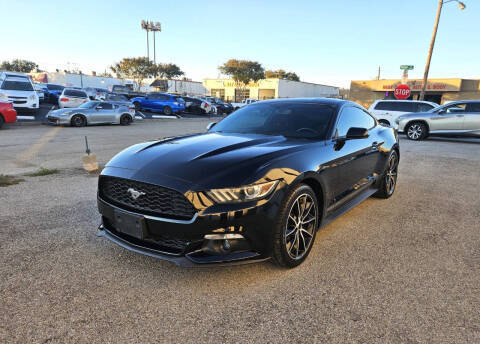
(256, 185)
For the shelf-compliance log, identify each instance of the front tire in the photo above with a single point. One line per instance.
(1, 121)
(78, 121)
(167, 110)
(295, 230)
(125, 120)
(416, 131)
(389, 178)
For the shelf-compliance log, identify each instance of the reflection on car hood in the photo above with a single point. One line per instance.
(199, 159)
(415, 115)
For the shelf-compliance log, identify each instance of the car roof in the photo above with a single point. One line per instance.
(404, 101)
(327, 101)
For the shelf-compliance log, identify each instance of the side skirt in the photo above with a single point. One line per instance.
(347, 206)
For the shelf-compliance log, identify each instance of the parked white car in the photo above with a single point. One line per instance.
(18, 89)
(387, 111)
(40, 92)
(243, 103)
(72, 98)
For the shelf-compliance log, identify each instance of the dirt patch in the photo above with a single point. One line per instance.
(9, 180)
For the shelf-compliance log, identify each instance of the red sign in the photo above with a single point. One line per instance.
(402, 92)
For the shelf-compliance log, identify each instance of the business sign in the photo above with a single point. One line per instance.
(402, 92)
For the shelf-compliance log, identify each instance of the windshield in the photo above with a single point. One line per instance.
(290, 119)
(88, 105)
(116, 97)
(118, 88)
(17, 85)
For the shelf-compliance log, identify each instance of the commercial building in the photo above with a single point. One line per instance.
(229, 90)
(365, 92)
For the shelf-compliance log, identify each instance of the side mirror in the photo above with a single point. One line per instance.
(357, 133)
(211, 125)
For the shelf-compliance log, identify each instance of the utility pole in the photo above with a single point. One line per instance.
(378, 76)
(462, 6)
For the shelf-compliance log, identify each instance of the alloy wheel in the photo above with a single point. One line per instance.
(391, 175)
(300, 227)
(415, 131)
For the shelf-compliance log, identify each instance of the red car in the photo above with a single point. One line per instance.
(7, 113)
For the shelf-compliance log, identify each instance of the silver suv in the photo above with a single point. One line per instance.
(387, 111)
(460, 118)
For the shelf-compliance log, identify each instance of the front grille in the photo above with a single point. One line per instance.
(156, 242)
(13, 97)
(52, 119)
(19, 102)
(156, 200)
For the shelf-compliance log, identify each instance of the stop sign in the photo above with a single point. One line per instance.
(402, 91)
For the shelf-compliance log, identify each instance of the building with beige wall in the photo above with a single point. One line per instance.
(365, 92)
(229, 90)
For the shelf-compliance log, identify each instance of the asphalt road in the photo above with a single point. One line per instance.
(403, 270)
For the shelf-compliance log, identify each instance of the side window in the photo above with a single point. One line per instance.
(422, 107)
(454, 108)
(106, 106)
(352, 116)
(163, 97)
(473, 107)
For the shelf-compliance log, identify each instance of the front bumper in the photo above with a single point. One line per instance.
(183, 241)
(64, 120)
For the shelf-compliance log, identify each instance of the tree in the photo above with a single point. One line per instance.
(17, 65)
(243, 71)
(168, 70)
(136, 68)
(281, 74)
(106, 75)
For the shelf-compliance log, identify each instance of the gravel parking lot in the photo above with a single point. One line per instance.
(403, 270)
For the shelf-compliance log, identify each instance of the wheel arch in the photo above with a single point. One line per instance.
(312, 180)
(79, 114)
(417, 121)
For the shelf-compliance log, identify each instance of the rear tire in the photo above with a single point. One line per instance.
(125, 120)
(78, 121)
(296, 227)
(384, 121)
(388, 182)
(167, 110)
(1, 121)
(416, 131)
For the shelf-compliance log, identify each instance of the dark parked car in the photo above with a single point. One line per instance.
(54, 92)
(118, 99)
(256, 185)
(194, 105)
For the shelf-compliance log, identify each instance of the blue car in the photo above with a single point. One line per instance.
(54, 92)
(160, 102)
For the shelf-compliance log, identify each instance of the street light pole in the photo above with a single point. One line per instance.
(432, 43)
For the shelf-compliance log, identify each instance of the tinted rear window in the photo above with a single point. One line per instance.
(422, 107)
(473, 107)
(396, 106)
(55, 87)
(17, 85)
(75, 93)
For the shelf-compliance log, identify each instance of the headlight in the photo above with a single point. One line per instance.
(242, 194)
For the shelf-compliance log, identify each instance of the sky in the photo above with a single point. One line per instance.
(327, 42)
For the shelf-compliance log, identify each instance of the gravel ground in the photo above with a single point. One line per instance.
(403, 270)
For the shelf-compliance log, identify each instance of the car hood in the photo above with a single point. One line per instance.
(415, 115)
(204, 159)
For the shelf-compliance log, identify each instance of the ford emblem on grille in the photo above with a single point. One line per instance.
(134, 193)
